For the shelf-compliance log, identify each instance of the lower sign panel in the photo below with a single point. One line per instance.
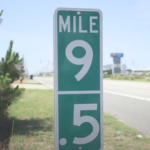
(79, 122)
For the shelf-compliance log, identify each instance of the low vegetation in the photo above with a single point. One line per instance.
(33, 126)
(144, 77)
(8, 94)
(26, 80)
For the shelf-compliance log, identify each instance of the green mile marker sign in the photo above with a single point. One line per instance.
(78, 79)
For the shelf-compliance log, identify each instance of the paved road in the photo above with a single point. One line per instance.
(129, 101)
(48, 81)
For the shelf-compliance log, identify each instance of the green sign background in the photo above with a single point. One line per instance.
(69, 92)
(67, 70)
(66, 114)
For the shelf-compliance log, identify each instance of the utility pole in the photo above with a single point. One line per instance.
(49, 66)
(133, 67)
(52, 67)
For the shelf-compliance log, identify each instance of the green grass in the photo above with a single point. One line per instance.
(27, 81)
(33, 128)
(118, 136)
(33, 119)
(132, 78)
(148, 80)
(32, 83)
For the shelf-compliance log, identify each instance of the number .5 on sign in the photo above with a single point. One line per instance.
(78, 74)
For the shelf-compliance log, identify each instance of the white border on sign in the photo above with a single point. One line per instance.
(101, 80)
(55, 52)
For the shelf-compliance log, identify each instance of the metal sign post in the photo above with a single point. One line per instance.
(78, 79)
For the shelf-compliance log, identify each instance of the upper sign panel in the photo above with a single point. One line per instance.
(78, 50)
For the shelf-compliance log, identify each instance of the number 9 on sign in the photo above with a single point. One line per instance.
(86, 61)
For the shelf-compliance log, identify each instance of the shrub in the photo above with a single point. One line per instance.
(8, 94)
(132, 78)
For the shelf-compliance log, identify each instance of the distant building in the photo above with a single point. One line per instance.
(141, 70)
(46, 74)
(107, 67)
(112, 66)
(116, 68)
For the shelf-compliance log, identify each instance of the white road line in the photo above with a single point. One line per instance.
(105, 91)
(125, 95)
(39, 80)
(51, 87)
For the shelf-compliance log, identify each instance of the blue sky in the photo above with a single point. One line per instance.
(126, 28)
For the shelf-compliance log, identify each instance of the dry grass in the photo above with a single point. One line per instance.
(33, 119)
(142, 78)
(33, 128)
(118, 136)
